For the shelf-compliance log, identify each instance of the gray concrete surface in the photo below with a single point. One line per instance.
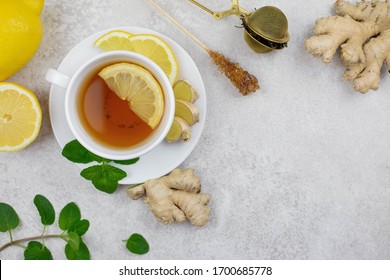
(299, 170)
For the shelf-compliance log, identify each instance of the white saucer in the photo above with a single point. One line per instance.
(166, 156)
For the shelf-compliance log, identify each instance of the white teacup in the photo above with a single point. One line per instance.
(73, 84)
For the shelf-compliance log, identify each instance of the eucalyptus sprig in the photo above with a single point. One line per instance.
(69, 221)
(103, 176)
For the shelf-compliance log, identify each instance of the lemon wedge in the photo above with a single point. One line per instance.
(20, 117)
(158, 51)
(114, 40)
(138, 86)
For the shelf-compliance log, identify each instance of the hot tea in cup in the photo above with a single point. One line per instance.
(119, 105)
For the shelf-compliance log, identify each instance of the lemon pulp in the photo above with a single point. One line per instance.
(114, 40)
(20, 117)
(138, 86)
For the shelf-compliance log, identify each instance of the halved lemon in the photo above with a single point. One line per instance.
(157, 50)
(115, 40)
(138, 86)
(20, 117)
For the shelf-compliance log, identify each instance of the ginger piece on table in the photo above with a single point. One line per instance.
(175, 197)
(362, 32)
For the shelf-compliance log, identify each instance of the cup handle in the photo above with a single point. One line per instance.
(57, 78)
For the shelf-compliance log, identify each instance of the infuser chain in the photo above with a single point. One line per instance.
(235, 9)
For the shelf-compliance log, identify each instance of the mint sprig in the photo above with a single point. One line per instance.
(69, 221)
(103, 176)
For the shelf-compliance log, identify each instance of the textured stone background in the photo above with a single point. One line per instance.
(300, 170)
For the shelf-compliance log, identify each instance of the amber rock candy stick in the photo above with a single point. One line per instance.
(241, 79)
(244, 81)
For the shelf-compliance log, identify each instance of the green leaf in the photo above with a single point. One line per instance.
(99, 159)
(75, 152)
(81, 254)
(36, 251)
(79, 227)
(104, 177)
(69, 214)
(8, 217)
(137, 244)
(127, 162)
(45, 209)
(74, 240)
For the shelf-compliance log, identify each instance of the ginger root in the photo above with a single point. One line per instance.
(175, 197)
(362, 32)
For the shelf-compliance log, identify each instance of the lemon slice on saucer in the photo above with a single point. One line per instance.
(157, 50)
(20, 117)
(114, 40)
(151, 46)
(138, 86)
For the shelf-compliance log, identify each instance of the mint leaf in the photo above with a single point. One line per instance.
(127, 162)
(36, 251)
(81, 254)
(79, 227)
(45, 209)
(137, 244)
(74, 240)
(69, 214)
(8, 217)
(75, 152)
(104, 177)
(99, 159)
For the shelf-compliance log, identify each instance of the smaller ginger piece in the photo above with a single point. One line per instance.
(180, 130)
(186, 112)
(175, 197)
(361, 30)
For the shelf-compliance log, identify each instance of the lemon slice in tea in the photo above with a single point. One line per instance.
(138, 86)
(20, 117)
(114, 40)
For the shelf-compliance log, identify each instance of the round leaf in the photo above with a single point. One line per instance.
(74, 240)
(36, 251)
(104, 177)
(137, 244)
(45, 209)
(81, 254)
(69, 214)
(79, 227)
(75, 152)
(8, 218)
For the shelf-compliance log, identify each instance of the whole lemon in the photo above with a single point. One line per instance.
(20, 34)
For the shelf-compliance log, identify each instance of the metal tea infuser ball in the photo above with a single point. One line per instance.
(266, 29)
